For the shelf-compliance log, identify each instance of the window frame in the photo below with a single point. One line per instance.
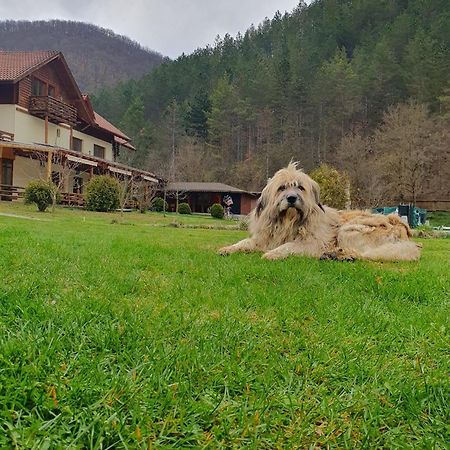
(75, 139)
(97, 149)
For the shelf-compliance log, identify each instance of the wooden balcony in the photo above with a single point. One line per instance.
(56, 110)
(6, 136)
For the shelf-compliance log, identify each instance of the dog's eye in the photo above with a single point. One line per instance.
(282, 188)
(301, 188)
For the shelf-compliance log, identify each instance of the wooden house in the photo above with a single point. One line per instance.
(49, 130)
(200, 196)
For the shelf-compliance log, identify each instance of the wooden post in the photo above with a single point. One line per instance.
(46, 130)
(49, 165)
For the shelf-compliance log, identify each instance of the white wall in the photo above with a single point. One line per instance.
(31, 130)
(88, 145)
(7, 118)
(27, 169)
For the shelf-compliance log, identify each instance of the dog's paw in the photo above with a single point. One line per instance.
(328, 256)
(225, 251)
(271, 256)
(338, 255)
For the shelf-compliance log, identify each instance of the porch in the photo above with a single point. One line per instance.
(68, 170)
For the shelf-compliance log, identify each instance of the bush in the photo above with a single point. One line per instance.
(40, 192)
(334, 186)
(102, 194)
(157, 204)
(184, 208)
(217, 211)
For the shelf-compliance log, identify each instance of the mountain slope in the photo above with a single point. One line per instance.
(338, 82)
(97, 56)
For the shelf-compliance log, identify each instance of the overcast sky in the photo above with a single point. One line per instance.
(170, 27)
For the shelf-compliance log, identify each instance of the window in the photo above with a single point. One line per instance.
(38, 87)
(99, 151)
(77, 144)
(7, 172)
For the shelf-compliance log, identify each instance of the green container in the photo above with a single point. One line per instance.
(416, 216)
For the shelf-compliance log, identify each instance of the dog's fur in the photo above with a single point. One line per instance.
(290, 220)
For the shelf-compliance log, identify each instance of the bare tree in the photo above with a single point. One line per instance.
(61, 176)
(405, 147)
(143, 192)
(355, 157)
(125, 181)
(62, 170)
(403, 160)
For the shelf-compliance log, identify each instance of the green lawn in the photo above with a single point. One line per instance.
(122, 332)
(439, 218)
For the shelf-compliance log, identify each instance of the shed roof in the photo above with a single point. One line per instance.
(204, 187)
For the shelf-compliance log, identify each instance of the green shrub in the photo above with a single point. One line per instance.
(102, 193)
(184, 208)
(217, 211)
(334, 186)
(158, 204)
(41, 193)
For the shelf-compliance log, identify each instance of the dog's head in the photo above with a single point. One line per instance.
(290, 192)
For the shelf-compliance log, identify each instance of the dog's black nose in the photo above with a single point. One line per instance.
(292, 199)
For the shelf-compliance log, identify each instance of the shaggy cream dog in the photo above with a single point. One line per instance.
(290, 220)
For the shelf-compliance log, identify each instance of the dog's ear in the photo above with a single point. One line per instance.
(259, 206)
(316, 193)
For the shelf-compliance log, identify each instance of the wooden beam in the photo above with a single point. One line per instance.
(49, 166)
(46, 129)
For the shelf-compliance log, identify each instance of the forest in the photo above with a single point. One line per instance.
(96, 56)
(362, 85)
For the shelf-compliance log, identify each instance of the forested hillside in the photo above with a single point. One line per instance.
(96, 56)
(361, 84)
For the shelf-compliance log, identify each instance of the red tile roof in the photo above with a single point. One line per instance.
(15, 65)
(123, 142)
(103, 123)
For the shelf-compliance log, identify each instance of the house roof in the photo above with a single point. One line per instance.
(124, 143)
(16, 65)
(102, 123)
(204, 187)
(105, 125)
(80, 157)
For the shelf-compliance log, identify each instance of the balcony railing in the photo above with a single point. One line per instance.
(55, 110)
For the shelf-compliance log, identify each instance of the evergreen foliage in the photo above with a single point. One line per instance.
(184, 208)
(158, 204)
(292, 88)
(102, 194)
(217, 211)
(39, 192)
